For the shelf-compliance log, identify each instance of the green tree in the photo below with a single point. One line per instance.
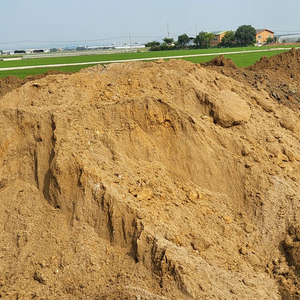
(168, 41)
(152, 44)
(228, 38)
(203, 39)
(199, 39)
(270, 40)
(245, 35)
(207, 38)
(183, 40)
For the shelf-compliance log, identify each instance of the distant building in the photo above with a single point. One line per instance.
(289, 38)
(81, 48)
(217, 38)
(38, 51)
(262, 35)
(70, 48)
(19, 52)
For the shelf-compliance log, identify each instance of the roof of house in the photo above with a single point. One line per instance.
(218, 32)
(257, 31)
(261, 30)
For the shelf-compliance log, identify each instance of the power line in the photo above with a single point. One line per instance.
(68, 41)
(147, 37)
(174, 34)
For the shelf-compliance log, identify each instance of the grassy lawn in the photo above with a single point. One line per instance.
(241, 59)
(30, 72)
(244, 60)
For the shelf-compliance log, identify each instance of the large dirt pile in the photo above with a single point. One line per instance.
(161, 180)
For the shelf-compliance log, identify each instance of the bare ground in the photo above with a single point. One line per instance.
(161, 180)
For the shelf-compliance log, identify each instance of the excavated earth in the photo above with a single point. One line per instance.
(160, 180)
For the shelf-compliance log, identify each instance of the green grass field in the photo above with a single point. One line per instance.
(30, 72)
(241, 59)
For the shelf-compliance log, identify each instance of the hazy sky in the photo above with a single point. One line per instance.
(93, 22)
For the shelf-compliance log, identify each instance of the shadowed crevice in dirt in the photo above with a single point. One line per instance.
(49, 176)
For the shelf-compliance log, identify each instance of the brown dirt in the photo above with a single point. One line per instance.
(161, 180)
(279, 76)
(10, 83)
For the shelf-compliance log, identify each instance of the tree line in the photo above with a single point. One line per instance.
(245, 35)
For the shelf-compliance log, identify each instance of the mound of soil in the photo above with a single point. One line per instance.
(287, 61)
(278, 76)
(10, 83)
(158, 180)
(220, 61)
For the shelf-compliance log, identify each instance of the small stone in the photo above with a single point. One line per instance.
(43, 264)
(289, 124)
(292, 89)
(233, 291)
(140, 215)
(243, 250)
(200, 244)
(192, 195)
(265, 104)
(282, 280)
(249, 228)
(228, 219)
(288, 241)
(254, 260)
(40, 277)
(27, 275)
(145, 194)
(271, 139)
(246, 151)
(2, 281)
(247, 282)
(185, 188)
(281, 269)
(282, 259)
(276, 95)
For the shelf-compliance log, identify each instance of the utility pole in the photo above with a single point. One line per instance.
(129, 40)
(168, 33)
(196, 30)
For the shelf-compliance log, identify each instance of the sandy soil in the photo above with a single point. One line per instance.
(160, 180)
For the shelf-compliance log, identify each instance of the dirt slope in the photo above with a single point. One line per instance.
(161, 180)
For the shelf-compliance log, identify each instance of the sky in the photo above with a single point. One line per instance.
(30, 23)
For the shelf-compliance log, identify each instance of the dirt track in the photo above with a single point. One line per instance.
(159, 180)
